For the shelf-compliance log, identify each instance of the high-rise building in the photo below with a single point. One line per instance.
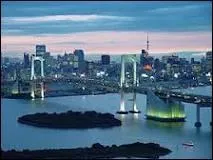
(105, 59)
(157, 64)
(40, 50)
(143, 56)
(6, 60)
(47, 54)
(145, 60)
(192, 60)
(80, 54)
(209, 55)
(26, 60)
(81, 63)
(75, 62)
(209, 61)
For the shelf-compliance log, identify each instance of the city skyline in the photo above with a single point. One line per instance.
(105, 27)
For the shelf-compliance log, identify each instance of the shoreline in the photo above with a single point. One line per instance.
(57, 95)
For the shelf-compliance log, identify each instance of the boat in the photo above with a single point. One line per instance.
(188, 144)
(186, 97)
(197, 101)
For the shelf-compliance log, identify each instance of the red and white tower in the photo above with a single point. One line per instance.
(147, 43)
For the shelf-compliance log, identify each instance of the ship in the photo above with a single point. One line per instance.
(188, 144)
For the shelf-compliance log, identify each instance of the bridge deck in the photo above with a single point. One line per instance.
(113, 85)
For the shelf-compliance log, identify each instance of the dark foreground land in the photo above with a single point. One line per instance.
(77, 120)
(141, 150)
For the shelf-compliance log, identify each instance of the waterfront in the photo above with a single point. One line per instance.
(134, 128)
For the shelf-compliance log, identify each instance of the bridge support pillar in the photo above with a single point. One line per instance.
(42, 90)
(32, 90)
(32, 69)
(198, 123)
(122, 104)
(135, 110)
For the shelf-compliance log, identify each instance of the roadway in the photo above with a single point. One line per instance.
(113, 86)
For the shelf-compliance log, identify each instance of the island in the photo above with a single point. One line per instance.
(139, 150)
(70, 119)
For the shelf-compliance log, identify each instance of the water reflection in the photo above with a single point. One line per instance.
(135, 116)
(122, 116)
(37, 102)
(167, 125)
(197, 130)
(122, 102)
(131, 130)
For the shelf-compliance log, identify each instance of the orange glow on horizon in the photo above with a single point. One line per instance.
(109, 42)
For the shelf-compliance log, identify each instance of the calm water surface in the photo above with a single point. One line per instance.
(134, 127)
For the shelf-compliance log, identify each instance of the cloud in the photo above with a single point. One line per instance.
(166, 10)
(11, 31)
(72, 18)
(111, 42)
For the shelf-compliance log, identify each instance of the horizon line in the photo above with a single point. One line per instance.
(114, 54)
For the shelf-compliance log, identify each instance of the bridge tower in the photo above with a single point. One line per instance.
(33, 77)
(131, 58)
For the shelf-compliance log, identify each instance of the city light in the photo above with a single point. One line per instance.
(111, 72)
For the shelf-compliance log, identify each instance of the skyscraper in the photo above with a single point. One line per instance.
(105, 59)
(143, 57)
(209, 55)
(192, 60)
(80, 54)
(26, 60)
(209, 61)
(40, 50)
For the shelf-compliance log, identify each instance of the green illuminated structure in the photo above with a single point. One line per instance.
(164, 110)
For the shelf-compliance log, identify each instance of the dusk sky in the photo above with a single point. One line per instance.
(105, 27)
